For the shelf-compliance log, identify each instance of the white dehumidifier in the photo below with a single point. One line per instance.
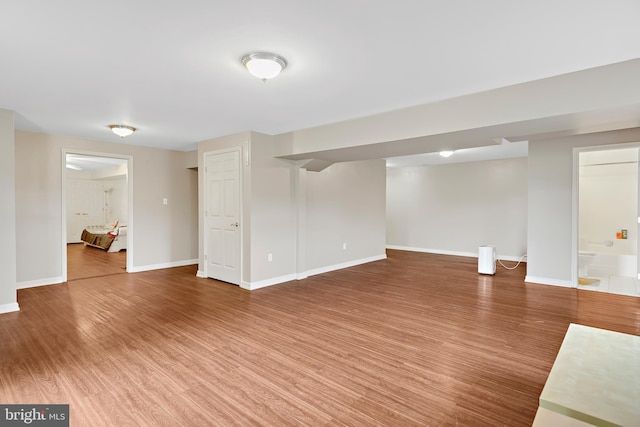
(487, 260)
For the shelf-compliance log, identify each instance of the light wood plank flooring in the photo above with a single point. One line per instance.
(84, 262)
(416, 339)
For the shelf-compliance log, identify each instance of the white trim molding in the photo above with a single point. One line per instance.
(454, 253)
(9, 308)
(548, 281)
(252, 286)
(201, 274)
(165, 265)
(343, 265)
(40, 282)
(432, 251)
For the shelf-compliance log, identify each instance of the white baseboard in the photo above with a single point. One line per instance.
(39, 282)
(9, 308)
(433, 251)
(342, 265)
(548, 281)
(251, 286)
(164, 265)
(454, 253)
(201, 274)
(276, 280)
(57, 280)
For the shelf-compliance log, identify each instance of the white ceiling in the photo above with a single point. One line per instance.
(506, 150)
(172, 69)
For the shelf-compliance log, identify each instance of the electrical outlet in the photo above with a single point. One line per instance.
(164, 201)
(270, 257)
(344, 246)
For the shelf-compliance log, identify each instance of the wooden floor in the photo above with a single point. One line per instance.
(84, 262)
(416, 339)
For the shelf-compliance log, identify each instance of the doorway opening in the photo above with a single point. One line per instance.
(608, 220)
(97, 207)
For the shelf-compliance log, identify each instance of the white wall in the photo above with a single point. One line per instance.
(302, 218)
(117, 208)
(8, 301)
(163, 234)
(550, 227)
(112, 191)
(608, 202)
(345, 203)
(273, 214)
(114, 180)
(456, 208)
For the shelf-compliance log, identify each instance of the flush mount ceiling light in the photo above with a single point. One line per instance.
(446, 153)
(122, 130)
(264, 65)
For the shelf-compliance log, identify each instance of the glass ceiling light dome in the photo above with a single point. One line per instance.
(264, 65)
(122, 130)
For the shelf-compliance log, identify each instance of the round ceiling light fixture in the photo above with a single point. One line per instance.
(264, 65)
(122, 130)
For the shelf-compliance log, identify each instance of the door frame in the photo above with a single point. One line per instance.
(575, 205)
(130, 228)
(241, 162)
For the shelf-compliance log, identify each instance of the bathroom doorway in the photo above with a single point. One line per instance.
(608, 220)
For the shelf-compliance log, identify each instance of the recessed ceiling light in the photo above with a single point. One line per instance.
(446, 153)
(122, 130)
(264, 65)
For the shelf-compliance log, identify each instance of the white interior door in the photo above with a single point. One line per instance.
(222, 216)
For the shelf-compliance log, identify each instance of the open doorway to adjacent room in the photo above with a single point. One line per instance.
(97, 206)
(608, 220)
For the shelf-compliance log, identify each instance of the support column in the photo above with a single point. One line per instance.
(300, 187)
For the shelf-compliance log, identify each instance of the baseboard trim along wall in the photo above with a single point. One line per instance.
(282, 279)
(251, 286)
(201, 274)
(343, 265)
(39, 282)
(454, 253)
(548, 281)
(9, 308)
(164, 265)
(58, 280)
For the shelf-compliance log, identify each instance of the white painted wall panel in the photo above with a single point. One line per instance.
(550, 210)
(459, 207)
(345, 205)
(163, 234)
